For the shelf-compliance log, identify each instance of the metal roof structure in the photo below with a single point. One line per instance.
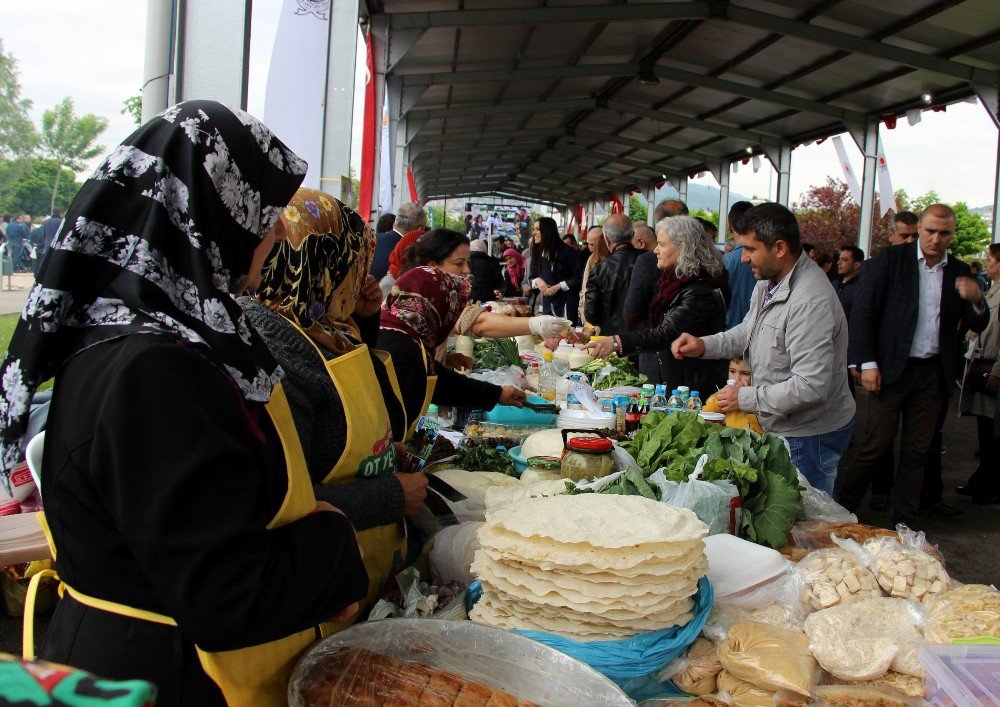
(568, 101)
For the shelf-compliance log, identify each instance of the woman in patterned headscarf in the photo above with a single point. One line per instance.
(316, 307)
(420, 312)
(175, 519)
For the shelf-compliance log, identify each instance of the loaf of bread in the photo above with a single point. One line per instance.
(364, 678)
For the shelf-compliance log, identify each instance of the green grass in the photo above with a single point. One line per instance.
(7, 324)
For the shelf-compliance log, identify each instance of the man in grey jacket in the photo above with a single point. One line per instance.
(794, 338)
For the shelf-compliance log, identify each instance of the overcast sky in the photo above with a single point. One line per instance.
(92, 50)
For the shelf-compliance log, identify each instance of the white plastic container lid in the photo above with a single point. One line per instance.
(735, 564)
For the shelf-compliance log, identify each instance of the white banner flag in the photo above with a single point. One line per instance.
(385, 151)
(296, 81)
(849, 177)
(886, 195)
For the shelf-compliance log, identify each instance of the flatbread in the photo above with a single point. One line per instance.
(576, 589)
(600, 520)
(502, 603)
(571, 555)
(627, 577)
(497, 612)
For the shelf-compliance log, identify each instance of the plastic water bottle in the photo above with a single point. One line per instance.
(676, 402)
(547, 379)
(694, 402)
(658, 403)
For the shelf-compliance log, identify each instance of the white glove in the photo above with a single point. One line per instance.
(547, 326)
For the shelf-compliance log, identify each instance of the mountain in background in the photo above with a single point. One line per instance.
(700, 196)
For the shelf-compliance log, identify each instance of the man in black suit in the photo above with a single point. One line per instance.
(410, 217)
(904, 338)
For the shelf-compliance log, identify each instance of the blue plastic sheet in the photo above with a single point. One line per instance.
(633, 662)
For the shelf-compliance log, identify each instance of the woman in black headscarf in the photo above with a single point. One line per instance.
(182, 517)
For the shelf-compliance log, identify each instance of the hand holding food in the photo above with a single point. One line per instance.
(547, 326)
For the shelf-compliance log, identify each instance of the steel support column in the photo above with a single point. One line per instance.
(867, 140)
(338, 109)
(682, 189)
(780, 156)
(650, 198)
(213, 51)
(158, 67)
(989, 96)
(724, 171)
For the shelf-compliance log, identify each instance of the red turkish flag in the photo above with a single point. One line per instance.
(367, 177)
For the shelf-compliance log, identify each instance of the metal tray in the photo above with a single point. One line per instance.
(493, 657)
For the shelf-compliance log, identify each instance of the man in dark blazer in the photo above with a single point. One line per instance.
(904, 339)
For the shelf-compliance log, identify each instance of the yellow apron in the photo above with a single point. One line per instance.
(431, 384)
(368, 452)
(257, 675)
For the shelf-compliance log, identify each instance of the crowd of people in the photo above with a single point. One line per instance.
(24, 242)
(281, 352)
(819, 331)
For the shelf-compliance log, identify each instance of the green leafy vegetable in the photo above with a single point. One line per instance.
(484, 458)
(621, 373)
(758, 465)
(495, 353)
(631, 483)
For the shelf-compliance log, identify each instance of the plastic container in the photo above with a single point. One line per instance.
(510, 415)
(676, 401)
(520, 463)
(496, 430)
(962, 674)
(736, 565)
(694, 402)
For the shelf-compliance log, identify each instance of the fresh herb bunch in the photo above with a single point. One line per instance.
(622, 373)
(758, 465)
(483, 458)
(495, 353)
(631, 483)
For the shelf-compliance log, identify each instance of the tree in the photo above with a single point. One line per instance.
(706, 214)
(27, 186)
(972, 235)
(829, 218)
(132, 106)
(69, 140)
(17, 133)
(638, 210)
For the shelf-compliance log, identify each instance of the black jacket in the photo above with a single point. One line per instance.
(607, 289)
(564, 267)
(847, 292)
(641, 290)
(384, 245)
(486, 276)
(699, 309)
(884, 316)
(452, 388)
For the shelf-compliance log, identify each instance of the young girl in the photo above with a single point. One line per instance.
(740, 373)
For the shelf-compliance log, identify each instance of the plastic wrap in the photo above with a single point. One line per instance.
(826, 578)
(416, 599)
(741, 693)
(697, 672)
(452, 552)
(779, 589)
(709, 500)
(723, 616)
(406, 662)
(510, 375)
(963, 613)
(903, 567)
(816, 535)
(863, 640)
(868, 695)
(819, 505)
(769, 657)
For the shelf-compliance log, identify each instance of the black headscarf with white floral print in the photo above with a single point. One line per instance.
(156, 241)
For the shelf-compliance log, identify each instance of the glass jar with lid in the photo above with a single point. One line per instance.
(586, 458)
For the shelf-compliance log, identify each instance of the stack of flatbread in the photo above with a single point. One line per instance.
(590, 567)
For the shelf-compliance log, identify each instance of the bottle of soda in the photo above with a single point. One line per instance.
(632, 415)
